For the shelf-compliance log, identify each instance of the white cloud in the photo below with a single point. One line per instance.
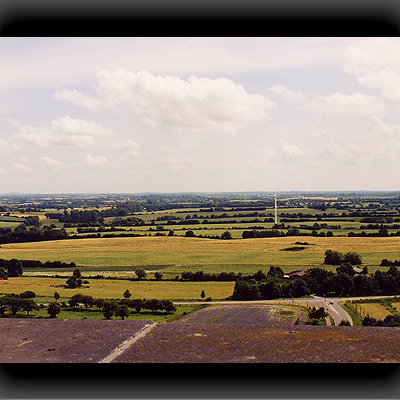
(386, 130)
(198, 105)
(290, 151)
(57, 62)
(166, 149)
(23, 165)
(64, 131)
(51, 162)
(375, 63)
(130, 146)
(287, 94)
(322, 133)
(78, 98)
(355, 104)
(95, 161)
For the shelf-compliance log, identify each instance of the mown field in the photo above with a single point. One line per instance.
(173, 255)
(378, 309)
(108, 288)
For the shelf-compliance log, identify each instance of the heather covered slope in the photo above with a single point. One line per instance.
(231, 334)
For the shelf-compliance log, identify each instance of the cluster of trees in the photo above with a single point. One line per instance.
(390, 320)
(110, 307)
(386, 263)
(16, 302)
(34, 234)
(10, 268)
(379, 226)
(47, 264)
(333, 257)
(382, 232)
(120, 307)
(95, 216)
(75, 280)
(200, 276)
(345, 282)
(262, 234)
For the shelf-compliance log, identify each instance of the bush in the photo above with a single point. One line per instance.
(27, 295)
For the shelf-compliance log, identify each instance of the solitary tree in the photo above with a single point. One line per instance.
(226, 235)
(168, 306)
(29, 305)
(122, 311)
(87, 301)
(14, 267)
(56, 296)
(333, 257)
(141, 273)
(158, 276)
(127, 294)
(77, 273)
(109, 307)
(202, 295)
(53, 309)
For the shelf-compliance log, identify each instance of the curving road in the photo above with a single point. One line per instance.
(331, 305)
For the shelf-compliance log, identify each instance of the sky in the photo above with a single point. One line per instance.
(199, 114)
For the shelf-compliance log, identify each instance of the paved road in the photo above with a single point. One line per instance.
(331, 305)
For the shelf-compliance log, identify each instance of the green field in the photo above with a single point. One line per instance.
(176, 254)
(94, 313)
(374, 310)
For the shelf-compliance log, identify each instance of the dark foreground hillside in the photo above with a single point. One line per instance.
(205, 340)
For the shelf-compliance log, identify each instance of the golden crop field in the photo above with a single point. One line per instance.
(108, 288)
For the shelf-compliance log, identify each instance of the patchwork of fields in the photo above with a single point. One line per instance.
(176, 254)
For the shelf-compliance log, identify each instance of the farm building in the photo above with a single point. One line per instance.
(299, 274)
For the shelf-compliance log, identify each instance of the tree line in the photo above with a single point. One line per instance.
(110, 307)
(35, 234)
(95, 216)
(345, 282)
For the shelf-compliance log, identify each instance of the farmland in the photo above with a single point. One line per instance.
(112, 235)
(173, 255)
(115, 288)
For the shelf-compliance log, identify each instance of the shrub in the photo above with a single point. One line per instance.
(27, 295)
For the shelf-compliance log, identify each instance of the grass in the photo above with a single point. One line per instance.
(374, 310)
(355, 316)
(396, 305)
(94, 313)
(208, 253)
(109, 288)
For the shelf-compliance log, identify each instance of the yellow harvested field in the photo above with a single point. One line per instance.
(115, 288)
